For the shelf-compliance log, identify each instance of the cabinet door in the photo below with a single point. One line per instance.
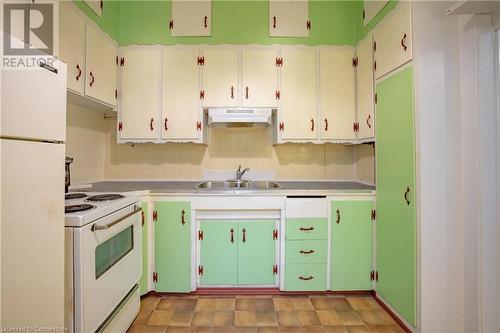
(288, 18)
(72, 44)
(173, 246)
(95, 5)
(256, 253)
(220, 77)
(101, 66)
(181, 109)
(298, 95)
(219, 253)
(337, 98)
(371, 9)
(395, 165)
(143, 283)
(351, 245)
(393, 40)
(259, 78)
(364, 80)
(191, 18)
(140, 101)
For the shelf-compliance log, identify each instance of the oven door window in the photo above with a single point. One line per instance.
(108, 253)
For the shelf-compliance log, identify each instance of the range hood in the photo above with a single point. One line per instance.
(239, 117)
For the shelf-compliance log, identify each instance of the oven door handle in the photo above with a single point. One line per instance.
(109, 225)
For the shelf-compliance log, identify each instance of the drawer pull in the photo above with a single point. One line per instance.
(306, 252)
(306, 229)
(306, 278)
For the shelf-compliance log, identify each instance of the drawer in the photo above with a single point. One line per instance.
(305, 277)
(306, 208)
(306, 229)
(305, 252)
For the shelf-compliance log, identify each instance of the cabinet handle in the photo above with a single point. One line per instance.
(232, 235)
(183, 217)
(338, 216)
(93, 79)
(326, 125)
(205, 21)
(368, 122)
(406, 195)
(142, 218)
(306, 229)
(165, 124)
(232, 92)
(79, 72)
(274, 22)
(244, 235)
(306, 252)
(246, 92)
(403, 42)
(151, 124)
(306, 278)
(312, 124)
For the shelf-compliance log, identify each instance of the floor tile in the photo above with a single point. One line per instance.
(150, 303)
(335, 329)
(223, 329)
(154, 329)
(313, 329)
(245, 318)
(370, 317)
(200, 329)
(245, 304)
(329, 318)
(160, 318)
(186, 304)
(266, 318)
(350, 318)
(264, 304)
(386, 317)
(224, 318)
(287, 318)
(225, 304)
(267, 329)
(358, 329)
(359, 303)
(321, 303)
(177, 329)
(142, 317)
(283, 304)
(308, 318)
(135, 328)
(380, 329)
(166, 304)
(242, 329)
(340, 304)
(181, 318)
(205, 304)
(302, 304)
(290, 329)
(203, 319)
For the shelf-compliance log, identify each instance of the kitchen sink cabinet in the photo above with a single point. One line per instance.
(220, 77)
(396, 216)
(289, 18)
(191, 18)
(237, 253)
(392, 40)
(182, 115)
(351, 244)
(364, 86)
(337, 102)
(140, 94)
(259, 77)
(298, 99)
(172, 221)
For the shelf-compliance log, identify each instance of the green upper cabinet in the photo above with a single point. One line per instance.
(143, 283)
(395, 165)
(173, 246)
(351, 245)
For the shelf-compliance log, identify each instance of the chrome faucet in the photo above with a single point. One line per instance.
(240, 173)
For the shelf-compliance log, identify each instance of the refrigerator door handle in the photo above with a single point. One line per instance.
(47, 67)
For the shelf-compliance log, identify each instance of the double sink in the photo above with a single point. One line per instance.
(243, 185)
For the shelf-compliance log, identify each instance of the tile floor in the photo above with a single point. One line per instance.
(263, 314)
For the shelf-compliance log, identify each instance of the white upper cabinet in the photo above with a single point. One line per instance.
(337, 94)
(95, 5)
(365, 94)
(181, 108)
(298, 112)
(392, 40)
(72, 45)
(191, 18)
(259, 77)
(140, 94)
(289, 18)
(371, 8)
(220, 77)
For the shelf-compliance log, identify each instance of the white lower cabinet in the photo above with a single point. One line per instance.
(140, 94)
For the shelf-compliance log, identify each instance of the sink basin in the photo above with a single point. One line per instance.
(232, 184)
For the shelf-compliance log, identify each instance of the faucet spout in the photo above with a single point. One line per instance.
(240, 173)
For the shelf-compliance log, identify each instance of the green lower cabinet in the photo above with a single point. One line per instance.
(219, 253)
(396, 218)
(305, 277)
(173, 246)
(143, 283)
(351, 262)
(237, 252)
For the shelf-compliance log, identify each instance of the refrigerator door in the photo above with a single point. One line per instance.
(34, 103)
(32, 237)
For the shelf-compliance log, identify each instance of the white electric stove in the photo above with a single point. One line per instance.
(103, 260)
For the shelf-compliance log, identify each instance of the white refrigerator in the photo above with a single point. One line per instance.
(32, 133)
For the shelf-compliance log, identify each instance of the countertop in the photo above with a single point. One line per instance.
(189, 188)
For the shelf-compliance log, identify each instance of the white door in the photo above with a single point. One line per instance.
(393, 41)
(220, 77)
(289, 18)
(101, 66)
(140, 93)
(34, 103)
(371, 8)
(364, 80)
(259, 77)
(95, 6)
(72, 44)
(32, 214)
(298, 95)
(191, 18)
(181, 107)
(337, 94)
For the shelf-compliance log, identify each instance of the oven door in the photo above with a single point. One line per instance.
(107, 265)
